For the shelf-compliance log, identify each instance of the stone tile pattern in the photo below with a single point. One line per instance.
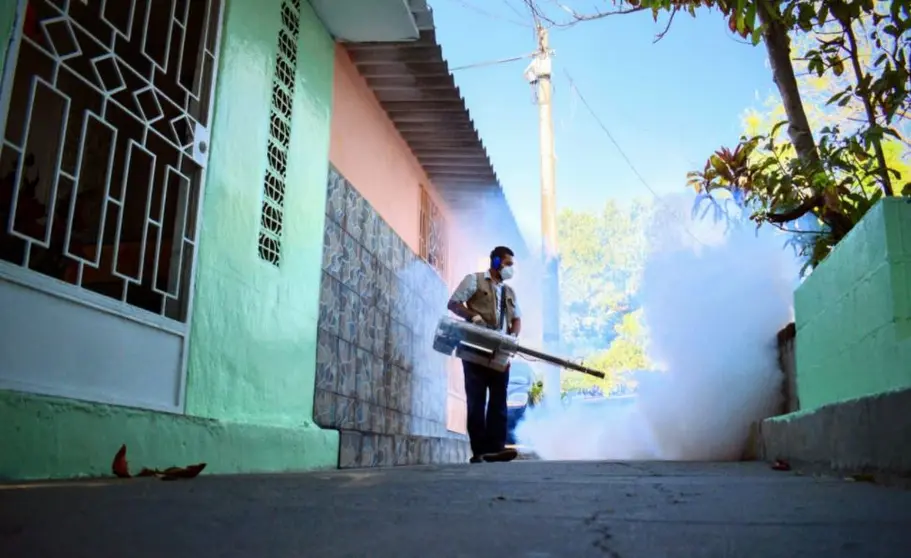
(378, 379)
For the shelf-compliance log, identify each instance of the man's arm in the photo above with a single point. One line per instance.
(515, 328)
(460, 296)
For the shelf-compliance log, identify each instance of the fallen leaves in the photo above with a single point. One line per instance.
(780, 465)
(121, 469)
(861, 477)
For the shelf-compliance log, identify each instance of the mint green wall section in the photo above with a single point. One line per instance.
(46, 438)
(853, 314)
(8, 23)
(253, 341)
(252, 362)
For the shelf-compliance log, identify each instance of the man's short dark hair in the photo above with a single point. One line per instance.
(501, 252)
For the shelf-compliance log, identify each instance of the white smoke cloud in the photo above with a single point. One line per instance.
(713, 307)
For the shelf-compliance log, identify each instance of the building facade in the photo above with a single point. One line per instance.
(225, 237)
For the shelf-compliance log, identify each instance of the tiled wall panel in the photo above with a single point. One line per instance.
(378, 379)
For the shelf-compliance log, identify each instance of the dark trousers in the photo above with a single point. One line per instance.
(486, 427)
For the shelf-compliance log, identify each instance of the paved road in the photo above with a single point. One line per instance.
(520, 509)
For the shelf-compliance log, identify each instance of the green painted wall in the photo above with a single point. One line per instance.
(252, 348)
(8, 22)
(46, 437)
(253, 343)
(853, 314)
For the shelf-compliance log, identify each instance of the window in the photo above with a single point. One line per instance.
(434, 246)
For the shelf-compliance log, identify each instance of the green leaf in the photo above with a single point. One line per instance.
(858, 151)
(823, 13)
(777, 127)
(837, 97)
(837, 65)
(805, 16)
(739, 14)
(750, 17)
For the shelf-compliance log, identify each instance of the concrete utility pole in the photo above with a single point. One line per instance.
(539, 75)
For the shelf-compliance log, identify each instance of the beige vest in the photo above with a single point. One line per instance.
(484, 302)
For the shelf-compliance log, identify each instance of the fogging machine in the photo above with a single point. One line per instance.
(491, 348)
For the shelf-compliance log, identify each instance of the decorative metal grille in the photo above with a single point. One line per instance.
(433, 243)
(104, 143)
(273, 205)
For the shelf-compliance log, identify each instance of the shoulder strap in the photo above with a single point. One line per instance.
(502, 319)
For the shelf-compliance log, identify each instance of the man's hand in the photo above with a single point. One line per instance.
(477, 320)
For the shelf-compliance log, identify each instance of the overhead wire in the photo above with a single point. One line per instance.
(469, 6)
(515, 10)
(537, 20)
(575, 89)
(492, 62)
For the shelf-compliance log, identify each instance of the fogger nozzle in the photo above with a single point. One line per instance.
(491, 348)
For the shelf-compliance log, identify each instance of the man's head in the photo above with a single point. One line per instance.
(501, 261)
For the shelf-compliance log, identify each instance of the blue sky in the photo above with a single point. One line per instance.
(668, 105)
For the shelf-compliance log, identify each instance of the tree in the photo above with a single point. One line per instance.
(602, 258)
(625, 354)
(861, 149)
(601, 261)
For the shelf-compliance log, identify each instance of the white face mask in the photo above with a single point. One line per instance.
(507, 272)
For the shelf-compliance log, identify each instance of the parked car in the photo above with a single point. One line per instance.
(521, 379)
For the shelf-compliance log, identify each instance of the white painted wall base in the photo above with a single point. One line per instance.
(55, 346)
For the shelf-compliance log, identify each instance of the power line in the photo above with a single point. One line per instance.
(492, 62)
(610, 136)
(516, 11)
(491, 15)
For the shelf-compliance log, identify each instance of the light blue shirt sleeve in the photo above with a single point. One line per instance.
(516, 311)
(466, 289)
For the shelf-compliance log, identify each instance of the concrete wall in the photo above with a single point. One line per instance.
(863, 435)
(853, 314)
(787, 360)
(253, 343)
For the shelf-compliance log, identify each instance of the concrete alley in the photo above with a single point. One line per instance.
(522, 509)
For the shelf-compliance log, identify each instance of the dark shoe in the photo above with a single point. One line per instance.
(501, 456)
(476, 459)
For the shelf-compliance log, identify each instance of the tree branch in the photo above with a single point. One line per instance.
(667, 27)
(807, 206)
(868, 106)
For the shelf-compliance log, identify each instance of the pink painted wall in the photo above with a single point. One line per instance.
(367, 149)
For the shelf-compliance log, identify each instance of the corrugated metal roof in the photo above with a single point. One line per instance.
(413, 84)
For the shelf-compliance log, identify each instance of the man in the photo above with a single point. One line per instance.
(483, 299)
